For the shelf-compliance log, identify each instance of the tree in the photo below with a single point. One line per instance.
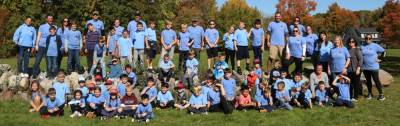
(338, 19)
(234, 11)
(389, 25)
(204, 10)
(296, 8)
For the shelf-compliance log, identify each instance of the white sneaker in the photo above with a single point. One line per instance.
(72, 115)
(79, 114)
(147, 120)
(133, 120)
(206, 113)
(191, 113)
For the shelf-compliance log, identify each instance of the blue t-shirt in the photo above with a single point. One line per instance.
(214, 97)
(51, 104)
(74, 38)
(139, 37)
(96, 100)
(45, 30)
(99, 50)
(84, 90)
(125, 46)
(298, 84)
(219, 68)
(338, 59)
(205, 90)
(25, 36)
(166, 66)
(132, 25)
(118, 32)
(151, 34)
(184, 38)
(229, 86)
(278, 30)
(52, 49)
(144, 109)
(121, 89)
(113, 39)
(288, 83)
(113, 103)
(192, 63)
(259, 92)
(296, 46)
(61, 90)
(198, 100)
(320, 95)
(282, 94)
(212, 36)
(97, 24)
(370, 56)
(344, 91)
(152, 92)
(240, 37)
(311, 41)
(169, 36)
(301, 27)
(197, 34)
(263, 101)
(256, 36)
(164, 97)
(324, 51)
(104, 91)
(228, 41)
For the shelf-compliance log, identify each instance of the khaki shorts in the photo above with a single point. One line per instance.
(275, 52)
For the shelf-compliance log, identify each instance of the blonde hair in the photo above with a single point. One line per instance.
(340, 39)
(197, 89)
(183, 25)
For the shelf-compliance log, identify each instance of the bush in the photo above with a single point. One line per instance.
(7, 49)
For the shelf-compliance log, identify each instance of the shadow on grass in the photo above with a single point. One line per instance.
(391, 64)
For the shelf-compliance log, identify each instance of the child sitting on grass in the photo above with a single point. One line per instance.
(244, 101)
(258, 68)
(181, 97)
(304, 98)
(150, 90)
(164, 97)
(342, 83)
(36, 97)
(95, 103)
(121, 87)
(115, 69)
(111, 106)
(219, 67)
(298, 81)
(83, 88)
(78, 104)
(265, 102)
(252, 79)
(52, 106)
(283, 97)
(128, 104)
(217, 100)
(198, 102)
(144, 111)
(62, 89)
(131, 74)
(321, 96)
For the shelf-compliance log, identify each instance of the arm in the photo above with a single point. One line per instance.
(146, 42)
(360, 61)
(262, 42)
(216, 41)
(108, 41)
(39, 35)
(17, 35)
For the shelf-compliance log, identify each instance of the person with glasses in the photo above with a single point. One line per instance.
(211, 38)
(295, 51)
(197, 34)
(96, 22)
(297, 23)
(276, 38)
(370, 51)
(257, 36)
(61, 31)
(228, 46)
(354, 70)
(24, 37)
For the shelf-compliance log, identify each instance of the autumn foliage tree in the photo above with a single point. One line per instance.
(389, 25)
(204, 10)
(296, 8)
(338, 19)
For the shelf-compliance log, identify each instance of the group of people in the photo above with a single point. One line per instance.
(110, 94)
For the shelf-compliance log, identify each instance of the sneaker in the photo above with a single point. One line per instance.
(79, 114)
(206, 113)
(354, 100)
(191, 113)
(31, 110)
(369, 97)
(147, 120)
(381, 97)
(132, 120)
(103, 118)
(244, 110)
(45, 116)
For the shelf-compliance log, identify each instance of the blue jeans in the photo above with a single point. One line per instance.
(102, 65)
(39, 55)
(23, 59)
(52, 66)
(257, 53)
(73, 60)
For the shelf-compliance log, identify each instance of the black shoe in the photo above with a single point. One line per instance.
(381, 97)
(239, 70)
(369, 97)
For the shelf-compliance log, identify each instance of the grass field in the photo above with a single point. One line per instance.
(367, 112)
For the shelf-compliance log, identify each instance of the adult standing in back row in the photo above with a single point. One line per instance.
(197, 34)
(24, 37)
(132, 25)
(96, 22)
(278, 32)
(41, 43)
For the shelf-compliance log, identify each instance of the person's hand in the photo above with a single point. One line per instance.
(236, 49)
(92, 105)
(86, 51)
(51, 110)
(358, 71)
(36, 47)
(329, 71)
(303, 58)
(268, 44)
(262, 48)
(288, 56)
(344, 71)
(378, 60)
(201, 49)
(66, 50)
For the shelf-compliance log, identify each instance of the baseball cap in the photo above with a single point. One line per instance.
(180, 85)
(108, 82)
(113, 91)
(98, 78)
(81, 80)
(91, 85)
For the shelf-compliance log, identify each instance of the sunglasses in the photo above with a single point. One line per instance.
(212, 24)
(296, 30)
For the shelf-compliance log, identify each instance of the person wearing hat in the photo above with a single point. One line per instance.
(97, 23)
(82, 87)
(181, 96)
(197, 34)
(132, 25)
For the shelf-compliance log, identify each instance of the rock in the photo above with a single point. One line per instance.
(385, 78)
(46, 84)
(13, 82)
(4, 68)
(72, 80)
(24, 83)
(4, 80)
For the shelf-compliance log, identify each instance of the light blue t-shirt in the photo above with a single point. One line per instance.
(95, 100)
(184, 38)
(212, 36)
(219, 68)
(118, 31)
(84, 90)
(152, 92)
(25, 36)
(125, 46)
(311, 41)
(256, 36)
(132, 26)
(121, 89)
(98, 25)
(139, 37)
(113, 40)
(344, 91)
(282, 94)
(45, 30)
(296, 46)
(192, 63)
(370, 55)
(151, 34)
(168, 36)
(144, 109)
(53, 104)
(198, 100)
(338, 59)
(228, 41)
(321, 95)
(164, 97)
(61, 90)
(240, 37)
(263, 100)
(196, 33)
(324, 51)
(229, 86)
(166, 66)
(214, 97)
(52, 49)
(205, 90)
(74, 38)
(278, 30)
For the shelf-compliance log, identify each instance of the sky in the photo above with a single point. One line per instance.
(267, 7)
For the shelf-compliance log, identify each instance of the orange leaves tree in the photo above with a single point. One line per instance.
(296, 8)
(389, 24)
(338, 19)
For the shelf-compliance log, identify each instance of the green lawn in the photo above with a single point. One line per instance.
(367, 112)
